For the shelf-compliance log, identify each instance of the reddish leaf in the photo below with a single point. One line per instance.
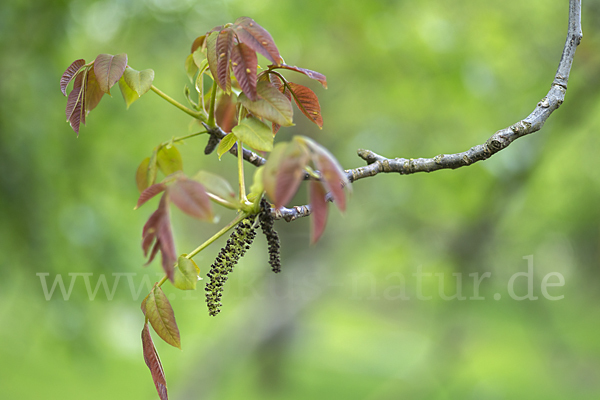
(307, 102)
(290, 173)
(157, 230)
(191, 198)
(75, 96)
(109, 69)
(311, 74)
(93, 93)
(153, 362)
(257, 38)
(69, 74)
(225, 113)
(159, 312)
(211, 53)
(75, 103)
(150, 192)
(332, 174)
(198, 42)
(318, 208)
(224, 48)
(245, 65)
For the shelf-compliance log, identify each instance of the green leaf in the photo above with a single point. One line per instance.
(169, 160)
(269, 174)
(153, 167)
(129, 95)
(186, 274)
(109, 69)
(139, 81)
(255, 134)
(226, 144)
(153, 362)
(257, 188)
(190, 67)
(93, 93)
(159, 312)
(217, 186)
(211, 53)
(272, 104)
(141, 175)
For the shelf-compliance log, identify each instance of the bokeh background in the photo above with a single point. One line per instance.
(343, 319)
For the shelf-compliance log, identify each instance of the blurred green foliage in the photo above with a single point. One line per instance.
(406, 79)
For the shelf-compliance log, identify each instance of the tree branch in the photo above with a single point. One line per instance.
(498, 141)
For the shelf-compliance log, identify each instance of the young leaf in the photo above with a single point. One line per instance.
(157, 230)
(290, 173)
(153, 362)
(129, 95)
(257, 38)
(211, 54)
(169, 160)
(224, 48)
(226, 144)
(269, 174)
(150, 192)
(226, 112)
(332, 174)
(198, 42)
(76, 103)
(217, 186)
(109, 69)
(311, 74)
(271, 105)
(318, 207)
(245, 65)
(191, 198)
(93, 93)
(141, 175)
(276, 81)
(186, 274)
(255, 134)
(69, 74)
(139, 81)
(190, 67)
(307, 102)
(159, 312)
(257, 188)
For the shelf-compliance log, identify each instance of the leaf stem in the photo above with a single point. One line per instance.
(240, 158)
(213, 100)
(217, 235)
(195, 114)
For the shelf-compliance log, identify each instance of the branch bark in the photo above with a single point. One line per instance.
(498, 141)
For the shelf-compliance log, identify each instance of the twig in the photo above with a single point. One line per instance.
(497, 142)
